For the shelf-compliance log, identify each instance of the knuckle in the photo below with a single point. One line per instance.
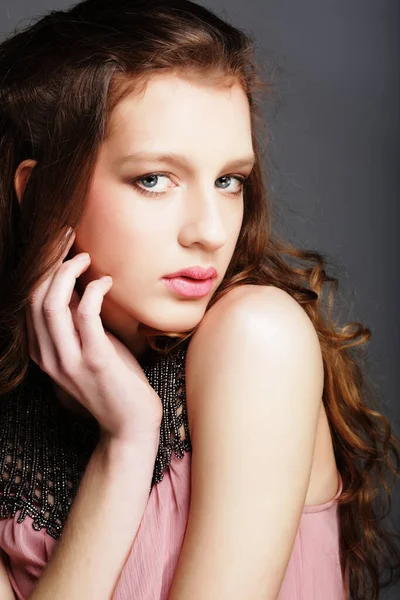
(67, 367)
(34, 297)
(83, 313)
(49, 308)
(95, 361)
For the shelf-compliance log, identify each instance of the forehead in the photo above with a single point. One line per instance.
(170, 101)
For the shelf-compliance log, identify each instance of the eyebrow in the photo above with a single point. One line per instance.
(179, 159)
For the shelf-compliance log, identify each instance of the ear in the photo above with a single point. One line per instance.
(22, 175)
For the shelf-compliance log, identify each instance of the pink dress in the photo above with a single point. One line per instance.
(313, 571)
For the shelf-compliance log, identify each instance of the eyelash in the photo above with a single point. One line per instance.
(240, 178)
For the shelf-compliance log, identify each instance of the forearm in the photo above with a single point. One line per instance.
(102, 523)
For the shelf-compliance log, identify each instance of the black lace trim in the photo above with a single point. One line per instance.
(166, 374)
(45, 448)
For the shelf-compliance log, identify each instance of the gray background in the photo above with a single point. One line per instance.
(334, 147)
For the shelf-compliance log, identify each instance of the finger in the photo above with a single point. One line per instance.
(56, 317)
(41, 339)
(40, 291)
(95, 343)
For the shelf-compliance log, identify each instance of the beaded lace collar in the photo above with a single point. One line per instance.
(45, 447)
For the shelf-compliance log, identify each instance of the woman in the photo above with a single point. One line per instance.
(130, 153)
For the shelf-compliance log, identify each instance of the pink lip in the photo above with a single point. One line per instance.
(195, 272)
(189, 288)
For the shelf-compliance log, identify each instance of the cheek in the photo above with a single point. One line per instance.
(235, 231)
(107, 227)
(114, 210)
(127, 252)
(235, 217)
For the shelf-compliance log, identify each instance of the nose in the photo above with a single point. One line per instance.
(206, 221)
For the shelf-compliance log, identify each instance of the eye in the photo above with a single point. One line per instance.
(238, 178)
(153, 178)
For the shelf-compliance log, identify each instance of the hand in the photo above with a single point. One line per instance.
(68, 342)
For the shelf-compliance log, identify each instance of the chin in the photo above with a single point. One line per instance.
(181, 320)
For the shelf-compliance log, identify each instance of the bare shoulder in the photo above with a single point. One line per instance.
(249, 309)
(248, 329)
(254, 379)
(258, 299)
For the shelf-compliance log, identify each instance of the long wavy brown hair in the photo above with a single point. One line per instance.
(61, 78)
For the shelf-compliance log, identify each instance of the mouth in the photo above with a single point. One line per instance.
(189, 287)
(195, 273)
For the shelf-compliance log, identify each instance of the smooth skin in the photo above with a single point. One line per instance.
(70, 345)
(139, 226)
(68, 342)
(254, 387)
(254, 371)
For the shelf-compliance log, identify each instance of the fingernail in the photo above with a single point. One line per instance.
(69, 230)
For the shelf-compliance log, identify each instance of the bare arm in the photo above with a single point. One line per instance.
(67, 341)
(102, 523)
(254, 382)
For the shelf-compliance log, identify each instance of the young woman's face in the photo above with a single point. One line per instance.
(189, 215)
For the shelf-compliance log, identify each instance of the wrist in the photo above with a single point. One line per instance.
(119, 446)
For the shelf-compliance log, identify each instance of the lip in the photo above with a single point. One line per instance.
(195, 272)
(189, 288)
